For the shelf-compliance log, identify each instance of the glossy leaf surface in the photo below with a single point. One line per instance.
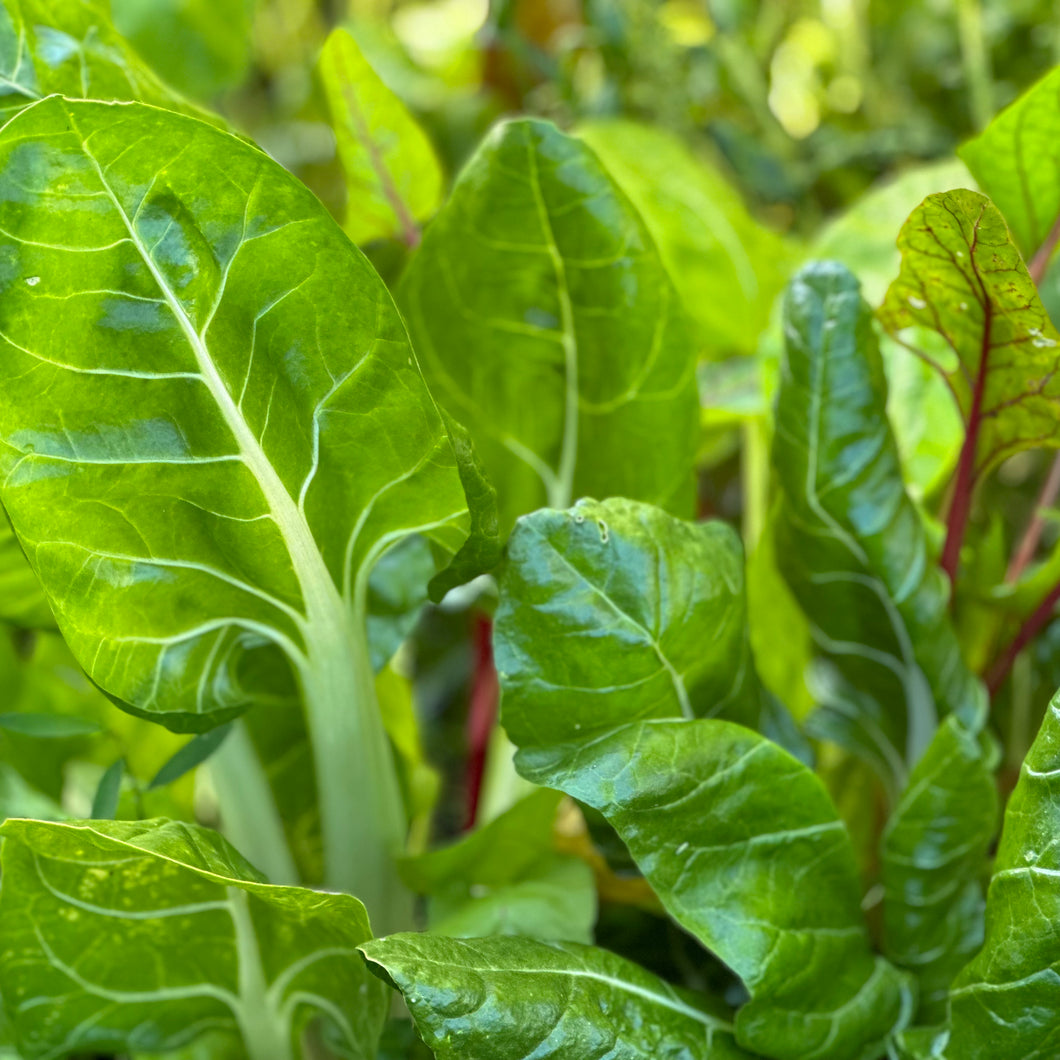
(745, 850)
(513, 998)
(70, 47)
(1014, 161)
(393, 178)
(933, 853)
(265, 959)
(963, 277)
(547, 324)
(1005, 1004)
(614, 611)
(726, 266)
(850, 541)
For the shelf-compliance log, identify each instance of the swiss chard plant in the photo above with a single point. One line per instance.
(788, 789)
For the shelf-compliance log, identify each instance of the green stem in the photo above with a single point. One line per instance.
(755, 472)
(362, 811)
(502, 786)
(975, 55)
(248, 810)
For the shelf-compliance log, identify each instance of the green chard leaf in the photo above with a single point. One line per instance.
(238, 434)
(1014, 161)
(1005, 1004)
(393, 178)
(852, 544)
(547, 324)
(69, 47)
(726, 266)
(515, 998)
(618, 628)
(962, 277)
(933, 853)
(264, 962)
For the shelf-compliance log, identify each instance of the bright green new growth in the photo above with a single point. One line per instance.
(244, 432)
(264, 961)
(547, 324)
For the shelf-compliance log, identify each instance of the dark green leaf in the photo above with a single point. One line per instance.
(105, 802)
(933, 853)
(203, 944)
(547, 324)
(744, 848)
(1005, 1004)
(192, 754)
(513, 999)
(963, 277)
(48, 726)
(851, 543)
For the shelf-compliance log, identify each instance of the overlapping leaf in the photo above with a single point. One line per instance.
(548, 325)
(393, 178)
(850, 541)
(204, 945)
(963, 277)
(513, 998)
(1005, 1004)
(933, 853)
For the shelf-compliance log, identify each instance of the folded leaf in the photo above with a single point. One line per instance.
(614, 611)
(963, 277)
(513, 998)
(393, 179)
(203, 944)
(851, 543)
(726, 266)
(933, 853)
(745, 850)
(1014, 160)
(547, 324)
(238, 430)
(70, 47)
(1005, 1004)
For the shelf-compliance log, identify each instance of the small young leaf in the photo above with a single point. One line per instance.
(393, 179)
(204, 945)
(546, 322)
(502, 998)
(1005, 1004)
(105, 802)
(932, 855)
(851, 543)
(192, 754)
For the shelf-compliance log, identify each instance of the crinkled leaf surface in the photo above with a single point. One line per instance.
(1005, 1005)
(932, 856)
(514, 998)
(963, 277)
(615, 611)
(726, 266)
(851, 543)
(393, 178)
(124, 935)
(547, 324)
(70, 47)
(1015, 161)
(746, 851)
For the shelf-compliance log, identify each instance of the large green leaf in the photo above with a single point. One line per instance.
(962, 276)
(513, 999)
(643, 616)
(201, 46)
(1014, 161)
(851, 543)
(236, 430)
(1005, 1004)
(142, 935)
(933, 853)
(746, 851)
(726, 266)
(393, 178)
(70, 47)
(548, 325)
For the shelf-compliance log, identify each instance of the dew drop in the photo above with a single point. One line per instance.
(1030, 855)
(32, 281)
(1042, 342)
(579, 518)
(917, 303)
